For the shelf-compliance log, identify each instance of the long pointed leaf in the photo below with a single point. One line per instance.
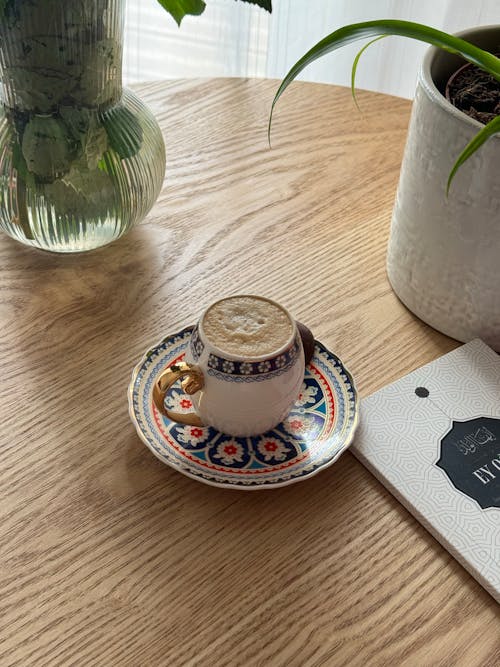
(485, 133)
(355, 68)
(356, 31)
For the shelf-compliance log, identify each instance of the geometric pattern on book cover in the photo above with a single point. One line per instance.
(400, 437)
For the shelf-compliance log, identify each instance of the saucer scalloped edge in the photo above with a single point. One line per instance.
(318, 429)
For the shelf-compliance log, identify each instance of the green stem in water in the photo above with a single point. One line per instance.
(22, 209)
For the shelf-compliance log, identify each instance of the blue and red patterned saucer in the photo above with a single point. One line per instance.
(317, 431)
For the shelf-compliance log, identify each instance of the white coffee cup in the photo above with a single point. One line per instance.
(236, 391)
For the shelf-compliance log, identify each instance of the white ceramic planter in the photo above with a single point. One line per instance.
(444, 253)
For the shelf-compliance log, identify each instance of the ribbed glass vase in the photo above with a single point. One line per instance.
(81, 158)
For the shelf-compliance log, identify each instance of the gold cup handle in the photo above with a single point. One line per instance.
(193, 382)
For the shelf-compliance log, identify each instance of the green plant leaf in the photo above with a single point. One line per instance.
(386, 27)
(179, 8)
(355, 67)
(485, 133)
(265, 4)
(356, 31)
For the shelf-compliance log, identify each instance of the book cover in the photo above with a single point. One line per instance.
(433, 439)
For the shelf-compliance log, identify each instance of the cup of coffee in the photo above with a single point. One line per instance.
(244, 367)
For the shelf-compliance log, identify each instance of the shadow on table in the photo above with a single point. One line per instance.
(107, 288)
(76, 325)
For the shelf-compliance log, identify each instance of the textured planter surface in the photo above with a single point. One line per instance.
(444, 253)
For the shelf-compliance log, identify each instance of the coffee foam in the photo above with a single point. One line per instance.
(247, 326)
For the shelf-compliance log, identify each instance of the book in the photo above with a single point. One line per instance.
(433, 439)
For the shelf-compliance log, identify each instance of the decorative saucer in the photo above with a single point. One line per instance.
(318, 429)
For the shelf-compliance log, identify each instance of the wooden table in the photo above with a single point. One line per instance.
(109, 557)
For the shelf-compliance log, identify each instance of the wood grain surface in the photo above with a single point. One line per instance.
(109, 557)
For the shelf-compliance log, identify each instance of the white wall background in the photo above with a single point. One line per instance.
(236, 39)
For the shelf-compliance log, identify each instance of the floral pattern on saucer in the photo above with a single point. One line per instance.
(317, 430)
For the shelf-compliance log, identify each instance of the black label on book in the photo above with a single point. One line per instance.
(470, 456)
